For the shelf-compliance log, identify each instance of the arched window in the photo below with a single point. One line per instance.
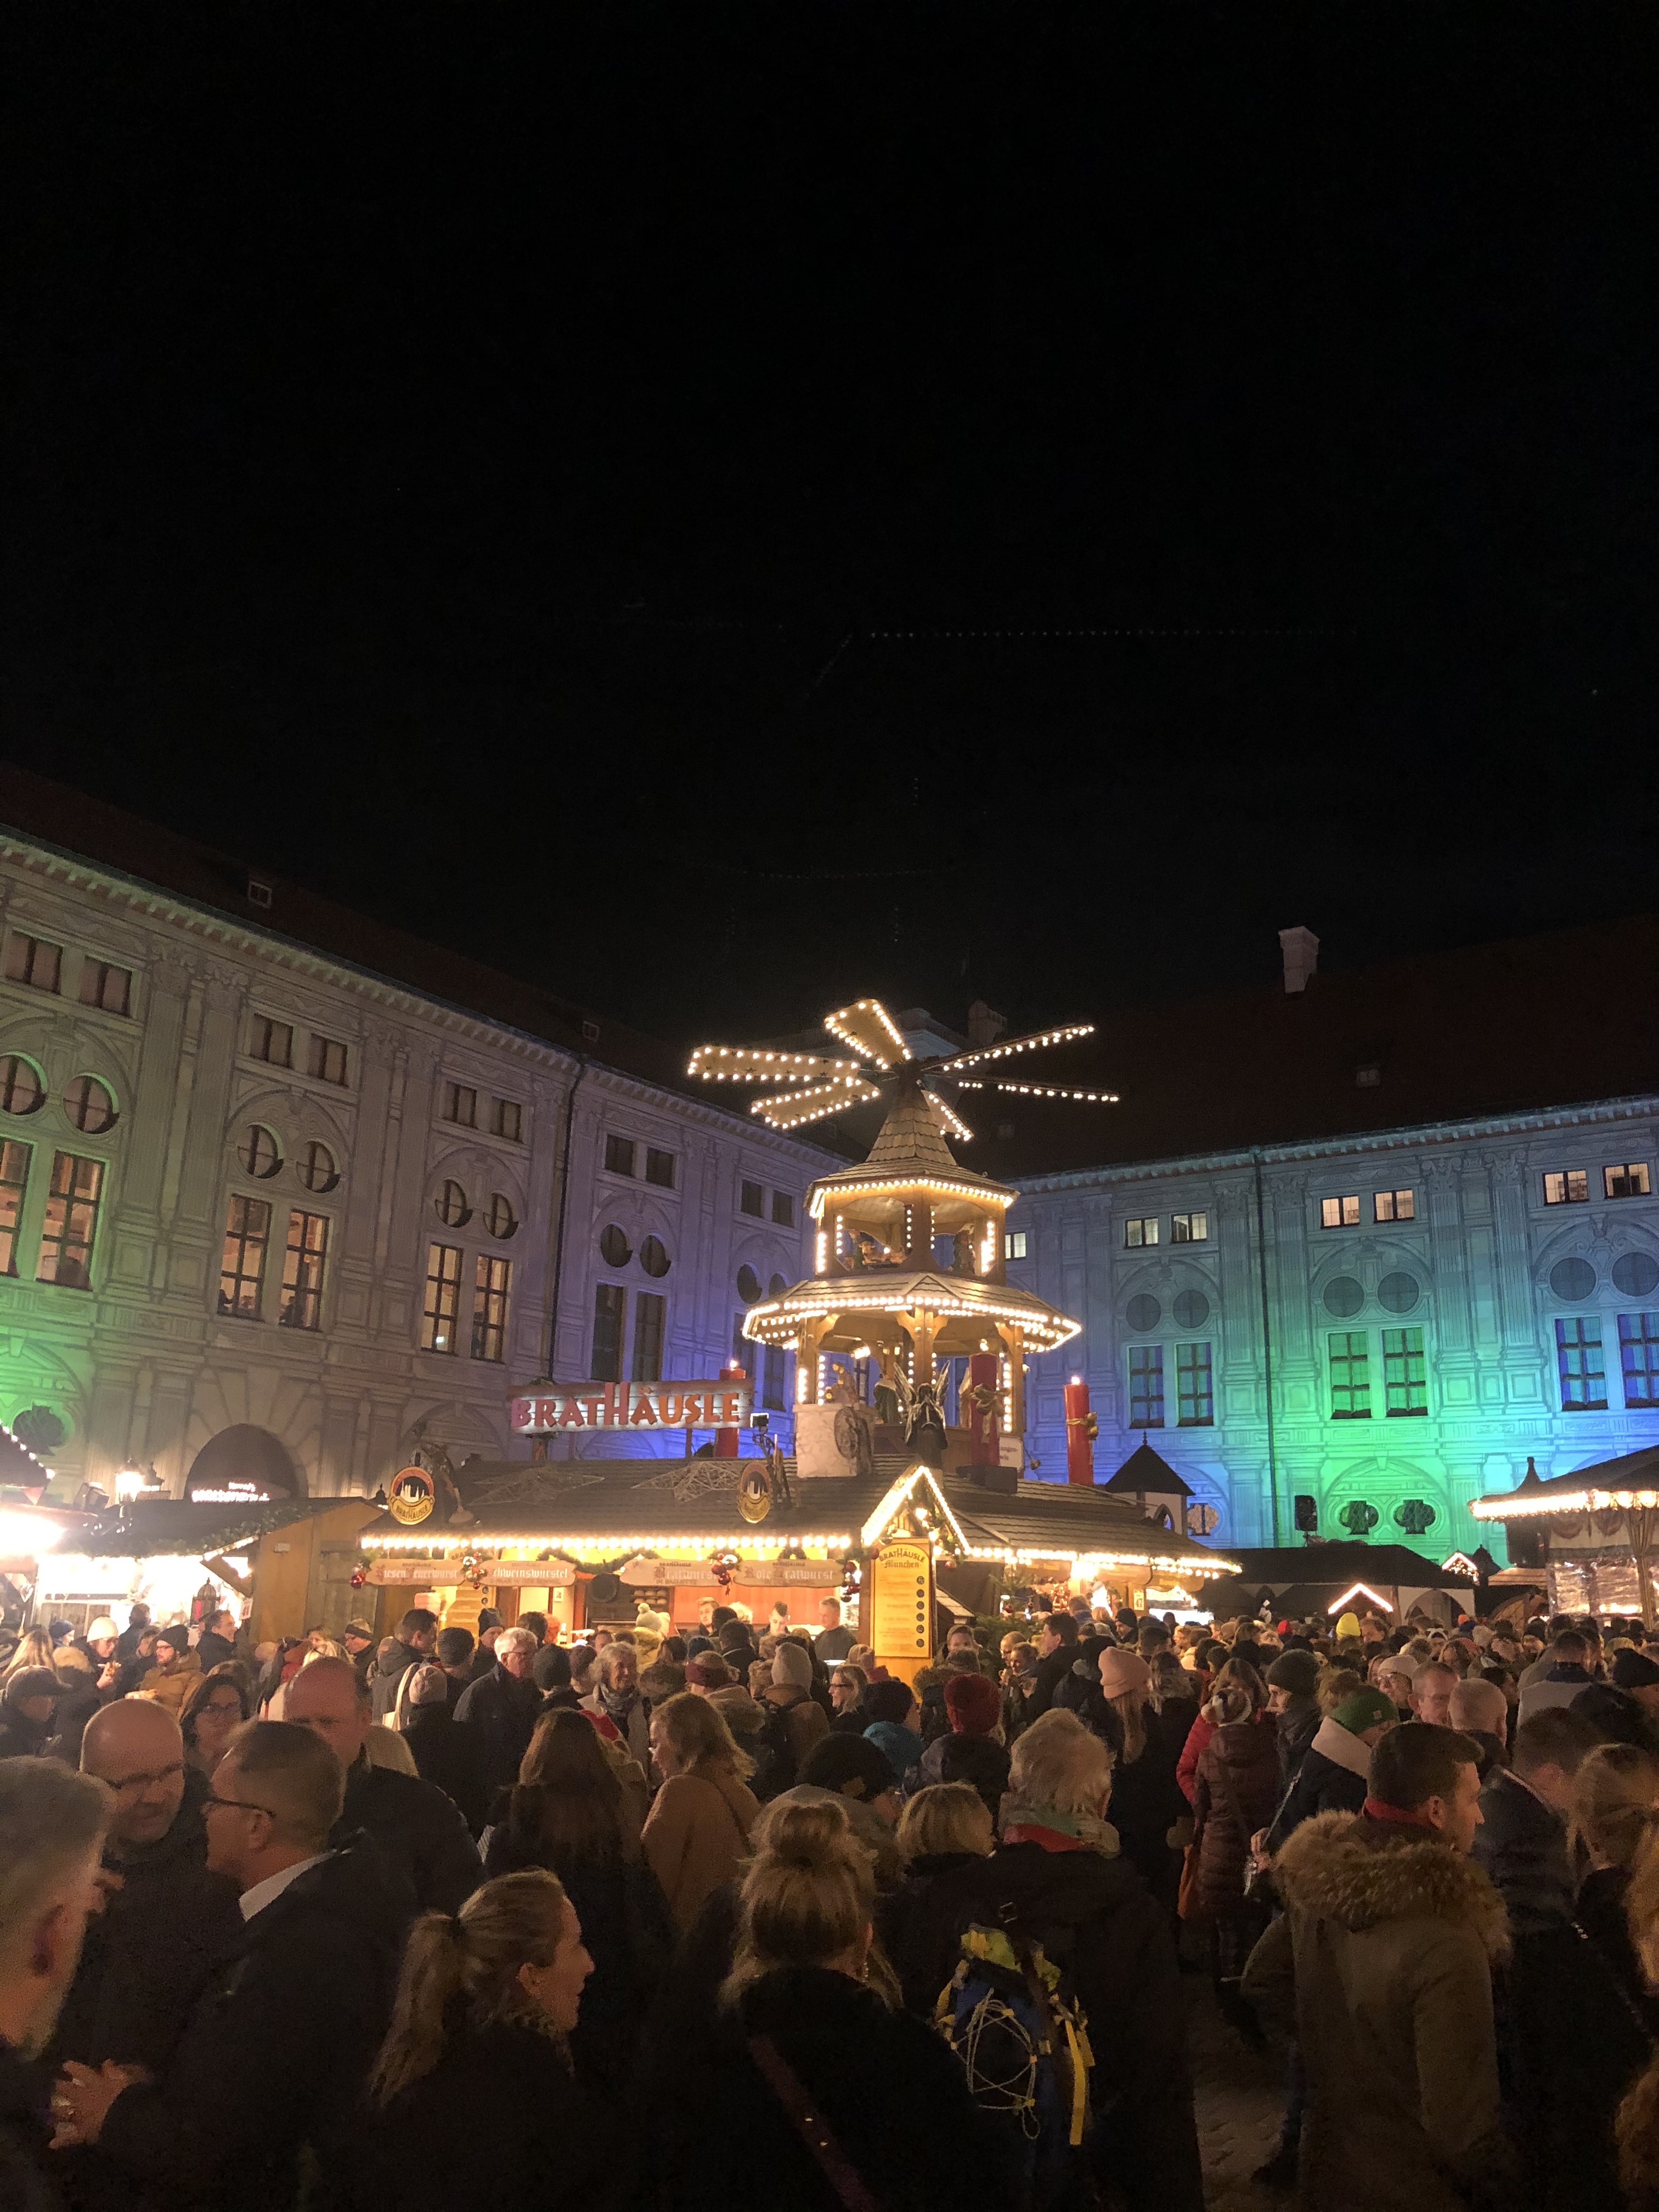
(259, 1152)
(89, 1105)
(452, 1208)
(21, 1088)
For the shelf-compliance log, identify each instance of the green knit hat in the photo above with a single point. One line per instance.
(1364, 1710)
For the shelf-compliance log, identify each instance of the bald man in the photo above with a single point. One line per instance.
(420, 1830)
(1481, 1711)
(168, 1920)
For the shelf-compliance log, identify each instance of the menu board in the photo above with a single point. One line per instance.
(902, 1604)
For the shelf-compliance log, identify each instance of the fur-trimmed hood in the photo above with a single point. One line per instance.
(1337, 1867)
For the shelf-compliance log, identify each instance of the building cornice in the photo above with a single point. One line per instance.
(1589, 1113)
(211, 925)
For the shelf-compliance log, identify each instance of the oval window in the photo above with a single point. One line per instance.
(749, 1286)
(1143, 1312)
(500, 1220)
(1635, 1273)
(453, 1209)
(1572, 1280)
(89, 1105)
(1398, 1293)
(776, 1287)
(260, 1151)
(1343, 1296)
(317, 1167)
(653, 1256)
(1191, 1310)
(615, 1247)
(21, 1087)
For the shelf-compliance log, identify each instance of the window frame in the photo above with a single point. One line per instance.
(1645, 1341)
(74, 1202)
(1202, 1393)
(1344, 1219)
(1566, 1177)
(20, 1059)
(318, 1061)
(77, 1114)
(646, 1351)
(1013, 1244)
(503, 1111)
(757, 1210)
(1624, 1172)
(23, 970)
(1146, 1368)
(98, 972)
(1392, 1199)
(1353, 1385)
(262, 1030)
(305, 1264)
(1573, 1364)
(460, 1105)
(606, 1312)
(436, 1307)
(1405, 1374)
(1135, 1235)
(786, 1219)
(492, 1289)
(1182, 1231)
(774, 1382)
(659, 1156)
(245, 1238)
(615, 1145)
(11, 1208)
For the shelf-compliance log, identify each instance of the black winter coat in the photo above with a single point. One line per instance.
(1522, 1845)
(26, 2164)
(503, 1712)
(502, 2101)
(450, 1758)
(920, 1922)
(419, 1830)
(1050, 1674)
(1147, 1799)
(1297, 1726)
(1322, 1785)
(888, 2088)
(148, 1955)
(276, 2051)
(1618, 1716)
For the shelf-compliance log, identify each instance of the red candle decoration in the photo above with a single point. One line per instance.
(981, 1399)
(1081, 1430)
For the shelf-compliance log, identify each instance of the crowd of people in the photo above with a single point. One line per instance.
(634, 1921)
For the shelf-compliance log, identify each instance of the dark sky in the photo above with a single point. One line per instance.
(724, 507)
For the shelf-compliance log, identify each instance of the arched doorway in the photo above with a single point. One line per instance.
(242, 1463)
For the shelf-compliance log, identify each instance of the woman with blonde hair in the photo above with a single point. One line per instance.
(476, 2061)
(809, 2071)
(697, 1834)
(944, 1837)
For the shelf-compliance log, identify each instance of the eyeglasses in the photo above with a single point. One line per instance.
(214, 1804)
(128, 1783)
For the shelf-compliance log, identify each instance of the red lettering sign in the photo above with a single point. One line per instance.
(721, 1404)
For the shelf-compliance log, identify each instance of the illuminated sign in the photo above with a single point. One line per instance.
(902, 1602)
(412, 1496)
(724, 1404)
(232, 1493)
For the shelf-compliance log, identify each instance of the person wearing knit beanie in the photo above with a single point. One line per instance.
(708, 1671)
(974, 1703)
(791, 1667)
(1369, 1708)
(1296, 1672)
(1123, 1672)
(1633, 1670)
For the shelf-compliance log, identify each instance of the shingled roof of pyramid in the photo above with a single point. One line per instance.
(911, 1143)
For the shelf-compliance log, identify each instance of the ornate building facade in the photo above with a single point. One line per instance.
(289, 1191)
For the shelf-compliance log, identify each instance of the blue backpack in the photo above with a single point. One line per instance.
(1012, 2018)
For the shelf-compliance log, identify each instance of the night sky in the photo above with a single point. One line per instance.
(720, 508)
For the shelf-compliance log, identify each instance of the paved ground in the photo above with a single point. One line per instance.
(1239, 2098)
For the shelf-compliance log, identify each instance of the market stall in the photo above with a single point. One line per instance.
(1592, 1534)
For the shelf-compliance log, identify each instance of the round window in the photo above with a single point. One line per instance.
(776, 1287)
(1572, 1280)
(453, 1209)
(1343, 1296)
(260, 1151)
(1191, 1309)
(500, 1220)
(1399, 1293)
(316, 1170)
(1635, 1273)
(21, 1087)
(614, 1247)
(89, 1106)
(653, 1256)
(1143, 1312)
(749, 1285)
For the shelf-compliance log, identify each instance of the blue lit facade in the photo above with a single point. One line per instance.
(1383, 1324)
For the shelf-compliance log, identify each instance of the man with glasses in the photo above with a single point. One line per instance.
(273, 2058)
(167, 1920)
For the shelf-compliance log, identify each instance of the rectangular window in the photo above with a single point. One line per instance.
(327, 1063)
(443, 1298)
(1351, 1382)
(1405, 1387)
(751, 1199)
(33, 961)
(772, 1379)
(1146, 1386)
(1638, 1355)
(1137, 1233)
(489, 1308)
(619, 1155)
(649, 1313)
(1393, 1205)
(1339, 1213)
(461, 1105)
(242, 1267)
(71, 1222)
(103, 984)
(1571, 1187)
(783, 1209)
(14, 1188)
(302, 1270)
(1189, 1228)
(1197, 1397)
(507, 1120)
(1013, 1244)
(660, 1167)
(1629, 1181)
(609, 1305)
(1578, 1359)
(272, 1041)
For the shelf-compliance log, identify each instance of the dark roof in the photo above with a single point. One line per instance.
(1288, 1568)
(166, 1528)
(1486, 1029)
(41, 812)
(1636, 1470)
(1146, 1471)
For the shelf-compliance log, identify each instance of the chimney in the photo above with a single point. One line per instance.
(985, 1025)
(1301, 949)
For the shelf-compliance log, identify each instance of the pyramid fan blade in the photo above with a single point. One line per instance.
(1048, 1091)
(947, 1123)
(1005, 1047)
(866, 1027)
(721, 1063)
(789, 1109)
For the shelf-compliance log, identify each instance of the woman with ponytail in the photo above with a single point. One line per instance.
(475, 2075)
(812, 2075)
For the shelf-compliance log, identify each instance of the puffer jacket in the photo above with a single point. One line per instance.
(1331, 1779)
(1381, 1966)
(171, 1686)
(1233, 1795)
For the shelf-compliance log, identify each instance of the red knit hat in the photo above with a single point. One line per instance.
(973, 1703)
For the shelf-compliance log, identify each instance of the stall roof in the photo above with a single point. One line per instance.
(1146, 1471)
(1301, 1571)
(162, 1528)
(1609, 1482)
(678, 1499)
